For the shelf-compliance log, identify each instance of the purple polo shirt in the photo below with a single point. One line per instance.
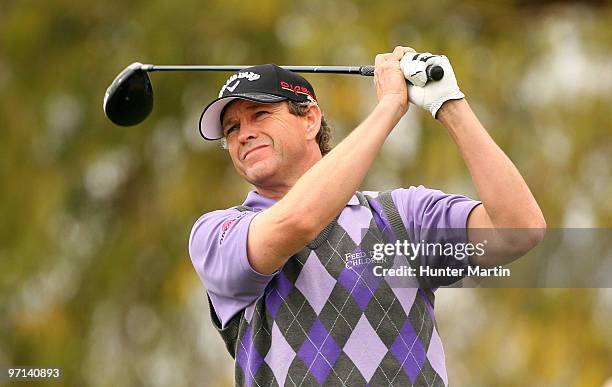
(218, 241)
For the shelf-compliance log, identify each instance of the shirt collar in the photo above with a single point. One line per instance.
(261, 202)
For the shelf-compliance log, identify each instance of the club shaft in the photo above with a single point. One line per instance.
(300, 69)
(367, 70)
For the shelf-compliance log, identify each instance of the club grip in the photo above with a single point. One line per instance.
(367, 71)
(434, 73)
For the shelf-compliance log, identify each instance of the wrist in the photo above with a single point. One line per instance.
(395, 104)
(450, 109)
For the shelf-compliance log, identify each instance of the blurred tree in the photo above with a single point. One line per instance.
(94, 272)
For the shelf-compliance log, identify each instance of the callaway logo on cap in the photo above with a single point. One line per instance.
(265, 83)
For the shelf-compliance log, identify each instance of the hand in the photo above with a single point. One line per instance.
(429, 95)
(389, 79)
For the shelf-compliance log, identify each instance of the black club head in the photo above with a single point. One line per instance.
(129, 99)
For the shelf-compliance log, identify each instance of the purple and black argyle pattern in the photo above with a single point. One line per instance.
(323, 322)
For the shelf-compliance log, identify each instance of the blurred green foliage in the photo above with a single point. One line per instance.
(94, 272)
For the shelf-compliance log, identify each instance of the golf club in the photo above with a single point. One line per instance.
(129, 99)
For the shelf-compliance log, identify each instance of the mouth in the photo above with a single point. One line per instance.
(253, 150)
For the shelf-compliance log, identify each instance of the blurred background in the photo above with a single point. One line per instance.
(95, 276)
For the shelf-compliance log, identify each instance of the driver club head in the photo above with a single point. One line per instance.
(129, 98)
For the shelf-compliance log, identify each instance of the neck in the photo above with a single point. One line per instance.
(275, 193)
(279, 189)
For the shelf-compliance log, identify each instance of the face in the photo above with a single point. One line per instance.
(266, 142)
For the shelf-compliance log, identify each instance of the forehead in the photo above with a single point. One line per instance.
(238, 106)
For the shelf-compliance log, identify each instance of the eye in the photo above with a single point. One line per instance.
(229, 129)
(261, 113)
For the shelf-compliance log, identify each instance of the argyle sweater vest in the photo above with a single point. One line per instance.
(325, 319)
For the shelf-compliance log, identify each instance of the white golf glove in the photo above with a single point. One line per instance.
(429, 95)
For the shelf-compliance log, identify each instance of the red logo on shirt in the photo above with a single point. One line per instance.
(225, 226)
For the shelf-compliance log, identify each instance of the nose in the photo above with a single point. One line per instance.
(247, 131)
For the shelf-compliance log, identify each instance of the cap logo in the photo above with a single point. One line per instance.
(297, 89)
(249, 75)
(233, 87)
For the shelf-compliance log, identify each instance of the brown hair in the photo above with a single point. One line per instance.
(324, 135)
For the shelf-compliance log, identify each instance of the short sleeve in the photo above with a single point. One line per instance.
(423, 209)
(218, 251)
(431, 215)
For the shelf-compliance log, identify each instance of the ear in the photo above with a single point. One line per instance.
(313, 121)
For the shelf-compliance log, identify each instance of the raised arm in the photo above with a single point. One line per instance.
(509, 217)
(507, 202)
(321, 193)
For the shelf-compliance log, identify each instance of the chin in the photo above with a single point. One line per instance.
(261, 172)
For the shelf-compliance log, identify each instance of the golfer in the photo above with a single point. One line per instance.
(288, 273)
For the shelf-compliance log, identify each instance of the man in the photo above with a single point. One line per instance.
(288, 289)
